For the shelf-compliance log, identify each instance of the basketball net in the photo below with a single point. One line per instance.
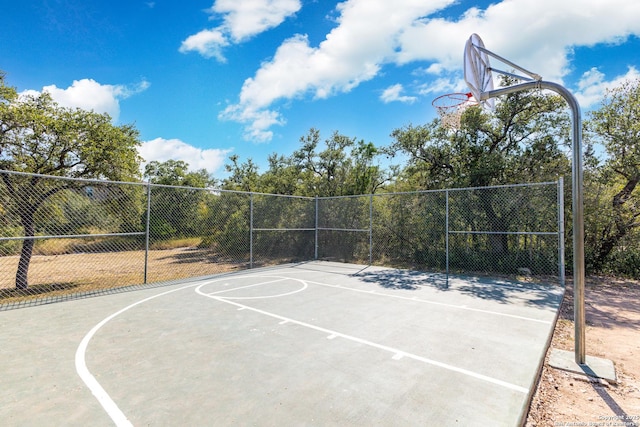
(451, 107)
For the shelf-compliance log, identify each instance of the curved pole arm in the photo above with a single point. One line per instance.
(577, 203)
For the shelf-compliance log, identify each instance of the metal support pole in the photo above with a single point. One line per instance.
(370, 229)
(561, 266)
(251, 230)
(577, 203)
(446, 233)
(147, 233)
(316, 226)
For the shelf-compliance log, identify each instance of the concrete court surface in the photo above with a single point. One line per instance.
(312, 344)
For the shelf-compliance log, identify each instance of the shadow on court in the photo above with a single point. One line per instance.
(404, 279)
(503, 292)
(485, 288)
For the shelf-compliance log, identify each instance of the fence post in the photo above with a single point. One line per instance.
(370, 229)
(250, 230)
(147, 232)
(316, 227)
(561, 248)
(446, 234)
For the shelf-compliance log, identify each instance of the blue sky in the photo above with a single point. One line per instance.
(205, 79)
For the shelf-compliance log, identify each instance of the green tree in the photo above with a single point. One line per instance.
(175, 211)
(282, 177)
(38, 136)
(337, 166)
(521, 141)
(365, 177)
(616, 125)
(244, 176)
(346, 166)
(176, 172)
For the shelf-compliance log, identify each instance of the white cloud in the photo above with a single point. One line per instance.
(241, 21)
(161, 150)
(393, 93)
(257, 122)
(28, 93)
(90, 95)
(245, 19)
(539, 35)
(592, 85)
(443, 85)
(351, 53)
(208, 43)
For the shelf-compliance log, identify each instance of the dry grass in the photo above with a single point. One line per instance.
(54, 275)
(70, 246)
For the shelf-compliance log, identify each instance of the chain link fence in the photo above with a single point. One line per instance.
(62, 236)
(512, 230)
(282, 229)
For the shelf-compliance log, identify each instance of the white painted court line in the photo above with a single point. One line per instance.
(120, 419)
(107, 403)
(459, 307)
(334, 334)
(110, 407)
(280, 279)
(442, 304)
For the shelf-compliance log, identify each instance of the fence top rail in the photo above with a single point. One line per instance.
(290, 196)
(73, 236)
(344, 197)
(66, 178)
(219, 190)
(284, 229)
(490, 187)
(442, 190)
(185, 187)
(506, 233)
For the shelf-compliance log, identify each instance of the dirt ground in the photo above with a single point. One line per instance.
(612, 309)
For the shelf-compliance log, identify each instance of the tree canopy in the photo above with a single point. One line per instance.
(38, 136)
(336, 167)
(522, 141)
(614, 196)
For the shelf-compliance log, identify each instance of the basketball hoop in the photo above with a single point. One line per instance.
(451, 106)
(478, 75)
